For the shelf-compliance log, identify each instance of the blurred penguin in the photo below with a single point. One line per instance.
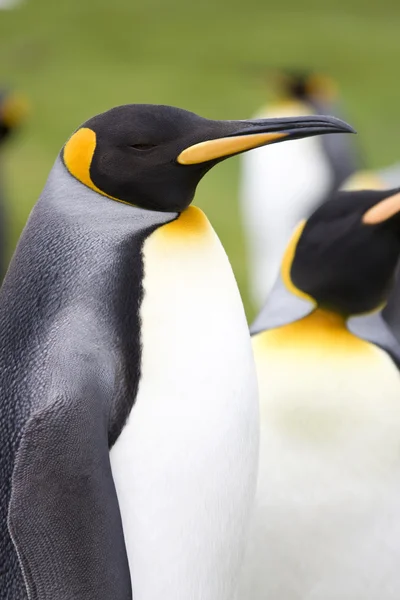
(283, 184)
(13, 112)
(379, 179)
(9, 4)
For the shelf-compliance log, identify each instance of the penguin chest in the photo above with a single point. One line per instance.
(185, 463)
(322, 385)
(327, 500)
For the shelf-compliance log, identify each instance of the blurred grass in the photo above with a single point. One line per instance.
(76, 58)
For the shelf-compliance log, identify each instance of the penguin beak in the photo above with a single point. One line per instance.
(240, 136)
(383, 210)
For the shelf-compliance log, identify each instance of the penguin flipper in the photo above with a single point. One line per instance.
(64, 517)
(374, 329)
(281, 308)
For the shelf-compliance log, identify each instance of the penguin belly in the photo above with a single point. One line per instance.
(327, 518)
(185, 464)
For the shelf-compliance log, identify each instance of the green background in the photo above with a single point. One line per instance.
(76, 58)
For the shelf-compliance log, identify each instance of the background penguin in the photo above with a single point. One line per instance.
(327, 518)
(279, 188)
(120, 294)
(376, 179)
(13, 112)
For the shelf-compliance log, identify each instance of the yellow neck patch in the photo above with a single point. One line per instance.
(287, 264)
(78, 155)
(321, 330)
(191, 228)
(323, 319)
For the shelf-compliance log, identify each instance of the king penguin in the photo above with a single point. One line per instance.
(129, 405)
(327, 520)
(279, 186)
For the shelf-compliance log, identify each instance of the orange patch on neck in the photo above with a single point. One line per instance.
(191, 225)
(320, 331)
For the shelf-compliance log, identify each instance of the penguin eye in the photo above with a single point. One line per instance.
(142, 146)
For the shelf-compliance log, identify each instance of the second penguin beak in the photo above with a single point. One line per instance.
(239, 136)
(383, 210)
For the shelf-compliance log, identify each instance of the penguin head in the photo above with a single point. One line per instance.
(14, 109)
(344, 257)
(154, 156)
(306, 86)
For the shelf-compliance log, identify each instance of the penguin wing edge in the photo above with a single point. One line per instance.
(64, 516)
(281, 308)
(374, 329)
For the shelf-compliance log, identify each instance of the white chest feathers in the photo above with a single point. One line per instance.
(185, 465)
(327, 520)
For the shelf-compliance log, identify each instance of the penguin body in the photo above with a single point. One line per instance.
(279, 188)
(187, 431)
(327, 518)
(129, 413)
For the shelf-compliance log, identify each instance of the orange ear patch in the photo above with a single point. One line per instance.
(78, 154)
(288, 261)
(383, 210)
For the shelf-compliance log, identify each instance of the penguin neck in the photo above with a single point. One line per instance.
(320, 329)
(322, 319)
(87, 253)
(327, 319)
